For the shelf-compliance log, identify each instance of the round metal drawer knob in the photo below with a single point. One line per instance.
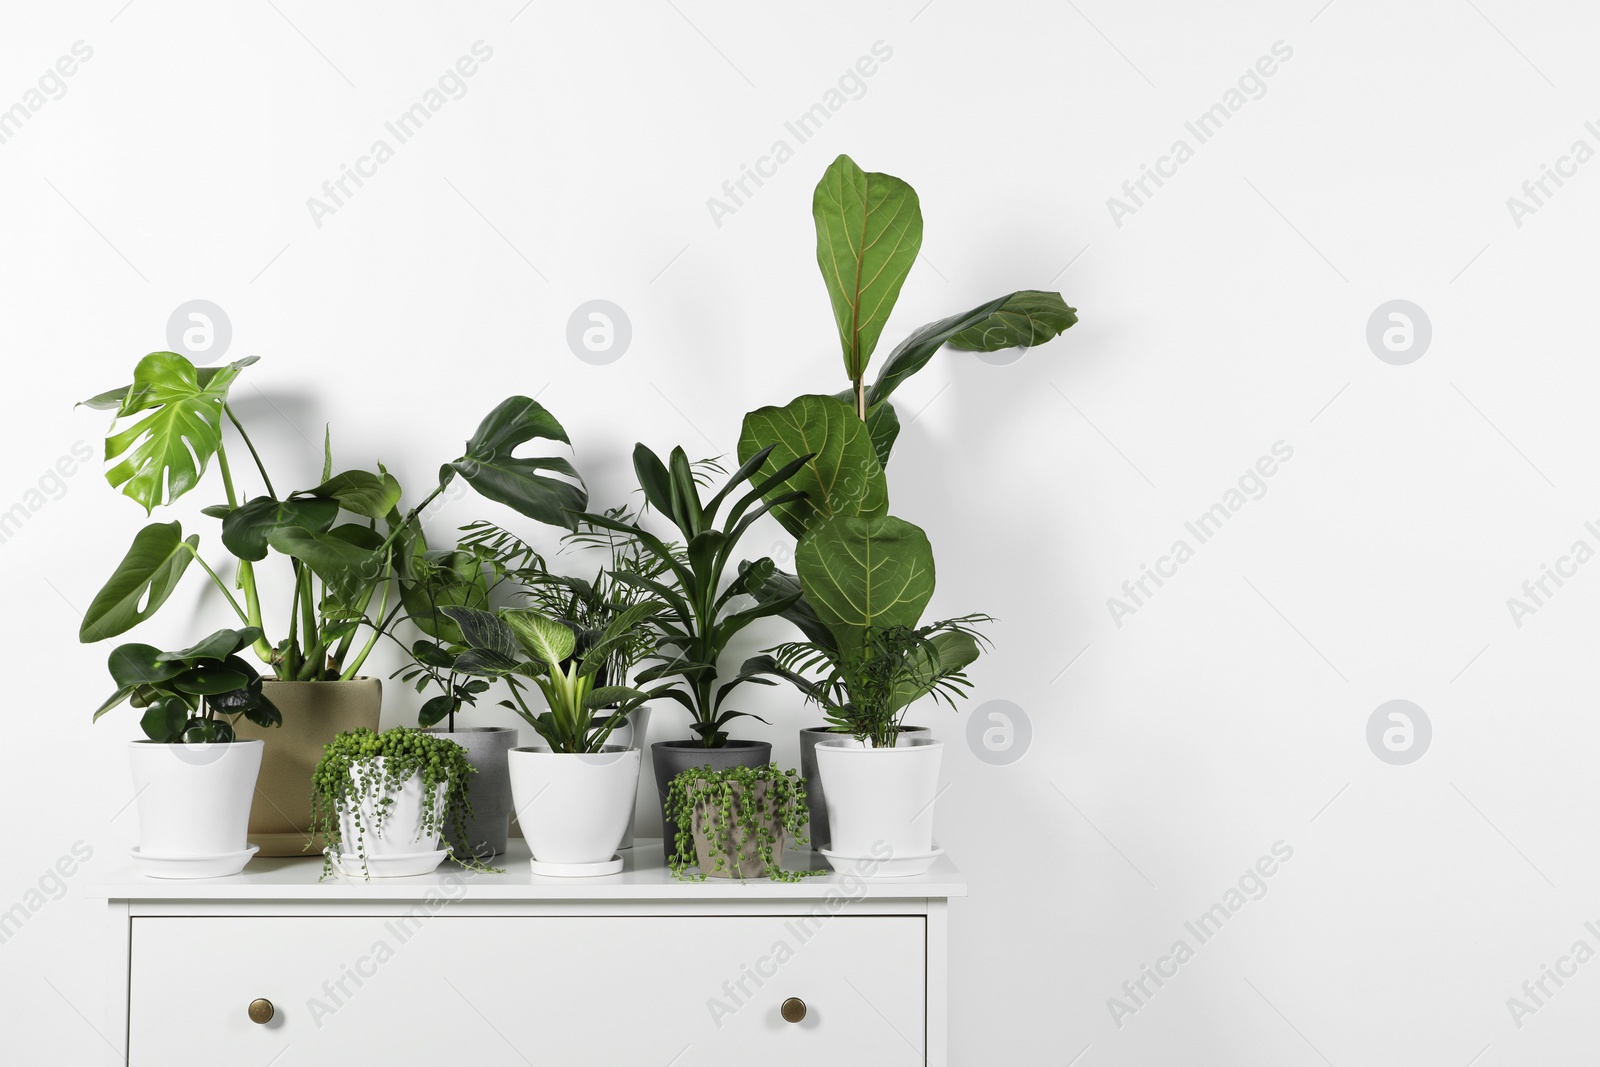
(262, 1011)
(794, 1009)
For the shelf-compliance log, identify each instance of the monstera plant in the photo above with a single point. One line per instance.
(344, 539)
(864, 575)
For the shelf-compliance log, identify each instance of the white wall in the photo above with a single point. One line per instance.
(1227, 313)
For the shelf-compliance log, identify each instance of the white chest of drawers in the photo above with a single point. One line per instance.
(632, 969)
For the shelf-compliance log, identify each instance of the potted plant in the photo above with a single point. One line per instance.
(869, 232)
(702, 608)
(574, 797)
(381, 801)
(486, 558)
(880, 782)
(193, 777)
(735, 822)
(342, 541)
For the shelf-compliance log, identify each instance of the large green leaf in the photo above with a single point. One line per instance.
(360, 492)
(489, 466)
(141, 583)
(219, 645)
(542, 637)
(862, 573)
(869, 230)
(161, 456)
(346, 558)
(1023, 318)
(246, 529)
(112, 399)
(843, 476)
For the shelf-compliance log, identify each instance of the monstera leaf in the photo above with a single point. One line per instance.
(520, 482)
(159, 457)
(1022, 319)
(245, 529)
(359, 492)
(862, 573)
(349, 559)
(843, 475)
(869, 230)
(141, 583)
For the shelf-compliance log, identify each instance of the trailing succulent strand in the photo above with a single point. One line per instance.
(342, 782)
(736, 806)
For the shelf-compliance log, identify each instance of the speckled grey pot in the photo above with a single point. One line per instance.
(672, 758)
(489, 789)
(817, 826)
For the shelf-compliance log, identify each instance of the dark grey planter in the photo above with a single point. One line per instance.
(489, 789)
(672, 758)
(817, 824)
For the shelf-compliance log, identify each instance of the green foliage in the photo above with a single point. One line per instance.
(742, 813)
(865, 691)
(840, 473)
(700, 611)
(522, 645)
(166, 430)
(405, 752)
(194, 695)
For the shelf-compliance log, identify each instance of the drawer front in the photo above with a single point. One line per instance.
(652, 990)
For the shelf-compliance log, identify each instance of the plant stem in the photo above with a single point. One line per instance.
(247, 571)
(261, 467)
(861, 399)
(219, 584)
(350, 671)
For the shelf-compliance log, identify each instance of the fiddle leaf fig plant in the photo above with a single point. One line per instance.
(169, 426)
(194, 695)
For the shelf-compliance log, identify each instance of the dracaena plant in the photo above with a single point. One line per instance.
(522, 645)
(703, 608)
(170, 425)
(194, 695)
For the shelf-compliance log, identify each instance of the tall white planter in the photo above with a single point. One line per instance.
(194, 806)
(396, 844)
(574, 807)
(880, 798)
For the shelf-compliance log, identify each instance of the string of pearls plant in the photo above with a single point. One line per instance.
(732, 823)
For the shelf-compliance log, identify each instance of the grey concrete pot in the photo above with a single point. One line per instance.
(489, 789)
(817, 825)
(672, 758)
(739, 861)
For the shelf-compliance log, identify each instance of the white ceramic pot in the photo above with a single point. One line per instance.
(574, 807)
(399, 832)
(880, 797)
(194, 800)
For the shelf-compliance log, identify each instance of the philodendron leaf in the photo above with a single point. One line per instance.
(161, 456)
(545, 638)
(869, 230)
(861, 573)
(141, 583)
(360, 492)
(1023, 319)
(489, 466)
(247, 528)
(843, 477)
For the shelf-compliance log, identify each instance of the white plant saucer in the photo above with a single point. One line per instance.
(893, 867)
(406, 865)
(577, 870)
(218, 866)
